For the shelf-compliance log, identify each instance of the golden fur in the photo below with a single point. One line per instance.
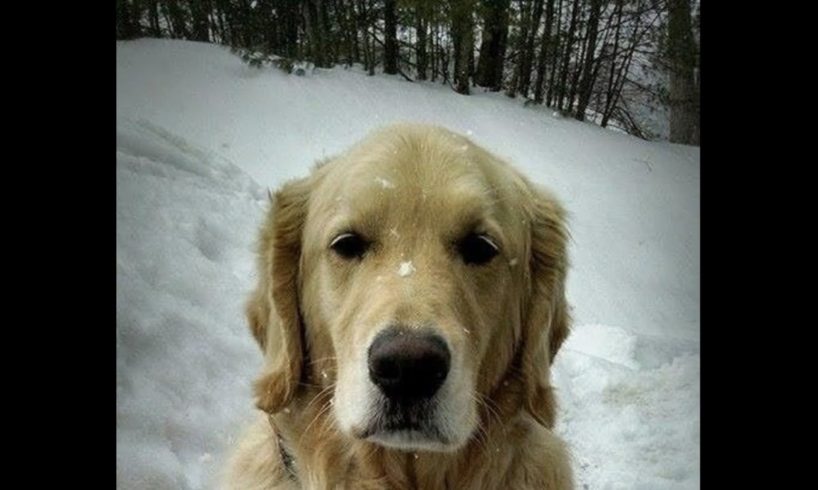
(414, 188)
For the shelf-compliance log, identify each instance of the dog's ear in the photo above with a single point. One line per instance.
(546, 321)
(273, 309)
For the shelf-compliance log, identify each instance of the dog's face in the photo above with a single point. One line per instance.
(414, 278)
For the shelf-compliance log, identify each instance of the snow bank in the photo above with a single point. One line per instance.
(185, 222)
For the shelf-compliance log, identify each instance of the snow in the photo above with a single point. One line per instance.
(385, 183)
(202, 137)
(405, 269)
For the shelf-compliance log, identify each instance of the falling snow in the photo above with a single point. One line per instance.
(386, 184)
(406, 269)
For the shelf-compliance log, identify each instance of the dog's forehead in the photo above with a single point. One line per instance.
(403, 186)
(422, 172)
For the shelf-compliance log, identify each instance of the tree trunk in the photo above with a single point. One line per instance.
(622, 73)
(445, 59)
(550, 94)
(269, 23)
(328, 40)
(463, 37)
(153, 18)
(434, 47)
(353, 34)
(525, 20)
(421, 26)
(201, 26)
(470, 54)
(575, 72)
(601, 60)
(588, 71)
(682, 61)
(371, 30)
(456, 35)
(614, 53)
(524, 77)
(363, 26)
(313, 26)
(220, 14)
(390, 51)
(289, 12)
(176, 15)
(493, 46)
(545, 52)
(566, 57)
(126, 27)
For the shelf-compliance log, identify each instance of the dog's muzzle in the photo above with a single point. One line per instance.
(408, 366)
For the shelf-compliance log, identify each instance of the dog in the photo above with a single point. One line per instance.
(410, 302)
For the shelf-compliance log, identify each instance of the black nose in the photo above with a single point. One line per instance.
(408, 365)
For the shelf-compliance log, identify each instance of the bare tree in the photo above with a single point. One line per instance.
(557, 49)
(463, 38)
(201, 25)
(390, 52)
(494, 43)
(127, 25)
(526, 57)
(682, 60)
(562, 91)
(421, 28)
(589, 67)
(547, 52)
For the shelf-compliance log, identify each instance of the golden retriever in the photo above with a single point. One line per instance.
(411, 299)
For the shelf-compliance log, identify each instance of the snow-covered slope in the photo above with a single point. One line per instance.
(200, 137)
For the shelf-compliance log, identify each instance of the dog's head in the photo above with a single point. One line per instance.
(416, 278)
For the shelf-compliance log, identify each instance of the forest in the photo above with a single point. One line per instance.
(626, 64)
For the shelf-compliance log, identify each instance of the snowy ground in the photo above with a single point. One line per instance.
(200, 137)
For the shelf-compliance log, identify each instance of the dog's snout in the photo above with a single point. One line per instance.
(408, 365)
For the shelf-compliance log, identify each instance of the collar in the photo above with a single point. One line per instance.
(286, 458)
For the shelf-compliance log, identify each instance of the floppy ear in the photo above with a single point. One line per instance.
(547, 320)
(272, 310)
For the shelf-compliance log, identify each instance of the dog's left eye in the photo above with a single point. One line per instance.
(349, 245)
(477, 249)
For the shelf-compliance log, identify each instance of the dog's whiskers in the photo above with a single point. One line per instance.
(320, 415)
(321, 394)
(481, 433)
(491, 408)
(322, 359)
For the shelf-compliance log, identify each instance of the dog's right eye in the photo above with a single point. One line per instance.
(349, 245)
(476, 249)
